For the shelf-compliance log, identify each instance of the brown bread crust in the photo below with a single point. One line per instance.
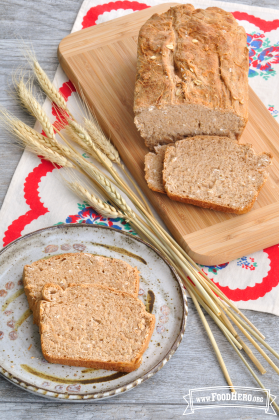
(98, 364)
(211, 206)
(191, 56)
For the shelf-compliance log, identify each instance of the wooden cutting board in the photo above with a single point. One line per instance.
(102, 61)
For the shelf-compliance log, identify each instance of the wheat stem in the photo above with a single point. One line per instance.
(221, 294)
(254, 334)
(230, 331)
(137, 189)
(265, 356)
(251, 371)
(252, 357)
(213, 342)
(212, 314)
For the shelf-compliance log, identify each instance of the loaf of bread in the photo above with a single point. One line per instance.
(192, 76)
(94, 326)
(77, 268)
(215, 173)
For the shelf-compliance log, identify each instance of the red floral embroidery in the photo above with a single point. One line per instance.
(94, 12)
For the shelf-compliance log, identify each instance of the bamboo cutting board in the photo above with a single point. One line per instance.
(102, 61)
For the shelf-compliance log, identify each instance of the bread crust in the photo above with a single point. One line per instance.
(151, 187)
(216, 207)
(98, 364)
(189, 56)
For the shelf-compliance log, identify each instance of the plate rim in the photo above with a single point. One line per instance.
(73, 397)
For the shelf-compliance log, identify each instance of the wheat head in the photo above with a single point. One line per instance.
(76, 139)
(101, 140)
(96, 203)
(33, 145)
(43, 140)
(84, 138)
(32, 105)
(48, 87)
(111, 191)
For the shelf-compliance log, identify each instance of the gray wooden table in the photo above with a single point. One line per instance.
(194, 364)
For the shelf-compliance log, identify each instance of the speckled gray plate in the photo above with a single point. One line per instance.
(21, 359)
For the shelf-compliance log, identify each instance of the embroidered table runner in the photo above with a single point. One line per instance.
(37, 198)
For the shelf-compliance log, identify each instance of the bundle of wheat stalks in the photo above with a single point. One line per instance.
(92, 140)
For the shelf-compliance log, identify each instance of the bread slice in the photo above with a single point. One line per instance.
(153, 166)
(192, 75)
(215, 173)
(94, 326)
(77, 268)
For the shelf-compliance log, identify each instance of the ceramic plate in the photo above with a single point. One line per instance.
(21, 359)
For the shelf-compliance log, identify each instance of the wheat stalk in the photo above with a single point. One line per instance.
(48, 87)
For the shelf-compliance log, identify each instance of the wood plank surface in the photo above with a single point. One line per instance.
(194, 364)
(101, 60)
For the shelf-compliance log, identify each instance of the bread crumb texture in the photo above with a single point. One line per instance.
(215, 172)
(192, 75)
(92, 325)
(78, 268)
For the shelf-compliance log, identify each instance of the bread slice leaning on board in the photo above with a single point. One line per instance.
(192, 75)
(153, 167)
(90, 325)
(210, 172)
(80, 267)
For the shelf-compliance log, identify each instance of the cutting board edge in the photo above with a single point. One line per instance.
(259, 232)
(161, 8)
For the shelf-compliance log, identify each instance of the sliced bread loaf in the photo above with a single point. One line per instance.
(94, 326)
(215, 173)
(77, 268)
(153, 166)
(192, 75)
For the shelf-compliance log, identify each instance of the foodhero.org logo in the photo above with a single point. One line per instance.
(217, 397)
